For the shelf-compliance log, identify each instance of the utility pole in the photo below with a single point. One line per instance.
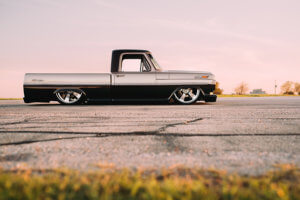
(275, 87)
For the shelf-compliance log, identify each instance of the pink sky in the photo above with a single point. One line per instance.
(255, 41)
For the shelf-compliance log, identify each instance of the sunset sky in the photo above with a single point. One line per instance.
(255, 41)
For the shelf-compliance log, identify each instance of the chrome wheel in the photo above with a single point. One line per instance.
(69, 96)
(187, 95)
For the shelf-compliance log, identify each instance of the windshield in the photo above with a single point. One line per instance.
(156, 65)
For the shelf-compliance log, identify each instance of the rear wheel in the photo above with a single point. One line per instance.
(187, 95)
(70, 97)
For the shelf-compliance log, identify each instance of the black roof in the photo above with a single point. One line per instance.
(115, 58)
(129, 50)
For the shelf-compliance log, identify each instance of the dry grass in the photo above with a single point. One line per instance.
(11, 99)
(173, 183)
(254, 95)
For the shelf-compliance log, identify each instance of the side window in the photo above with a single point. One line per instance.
(135, 63)
(131, 65)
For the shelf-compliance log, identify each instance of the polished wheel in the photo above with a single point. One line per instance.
(187, 95)
(69, 96)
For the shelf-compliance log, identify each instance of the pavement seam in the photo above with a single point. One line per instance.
(94, 134)
(135, 133)
(99, 135)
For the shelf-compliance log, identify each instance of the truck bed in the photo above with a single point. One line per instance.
(66, 79)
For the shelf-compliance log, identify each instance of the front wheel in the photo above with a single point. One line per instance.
(186, 95)
(70, 97)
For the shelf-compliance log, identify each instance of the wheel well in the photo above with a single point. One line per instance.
(66, 89)
(201, 91)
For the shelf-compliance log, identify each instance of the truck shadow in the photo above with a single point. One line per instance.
(135, 103)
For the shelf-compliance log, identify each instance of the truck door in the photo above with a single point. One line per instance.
(136, 78)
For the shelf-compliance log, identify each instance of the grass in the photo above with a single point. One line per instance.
(254, 95)
(10, 98)
(173, 183)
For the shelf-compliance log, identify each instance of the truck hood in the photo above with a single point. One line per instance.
(187, 72)
(188, 75)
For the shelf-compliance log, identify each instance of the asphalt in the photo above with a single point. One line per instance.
(247, 135)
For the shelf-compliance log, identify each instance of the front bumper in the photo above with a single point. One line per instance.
(210, 98)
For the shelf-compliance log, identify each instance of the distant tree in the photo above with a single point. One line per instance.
(218, 90)
(297, 88)
(242, 88)
(287, 87)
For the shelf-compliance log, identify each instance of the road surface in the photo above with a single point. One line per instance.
(246, 135)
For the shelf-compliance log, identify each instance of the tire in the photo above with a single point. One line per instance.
(186, 95)
(70, 97)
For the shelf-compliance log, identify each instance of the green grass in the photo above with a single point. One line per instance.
(254, 95)
(172, 183)
(10, 98)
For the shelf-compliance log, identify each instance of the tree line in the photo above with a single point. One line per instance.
(288, 87)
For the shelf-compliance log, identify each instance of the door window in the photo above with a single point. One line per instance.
(135, 63)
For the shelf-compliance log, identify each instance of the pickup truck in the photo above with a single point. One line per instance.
(135, 76)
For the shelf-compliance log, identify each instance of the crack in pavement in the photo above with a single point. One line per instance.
(137, 133)
(176, 124)
(45, 140)
(161, 129)
(28, 119)
(99, 135)
(13, 123)
(156, 132)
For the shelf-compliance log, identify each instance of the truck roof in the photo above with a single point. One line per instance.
(115, 58)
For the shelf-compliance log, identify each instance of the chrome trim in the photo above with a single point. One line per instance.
(61, 89)
(201, 91)
(187, 92)
(71, 96)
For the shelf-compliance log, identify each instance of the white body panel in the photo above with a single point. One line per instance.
(133, 78)
(122, 78)
(67, 79)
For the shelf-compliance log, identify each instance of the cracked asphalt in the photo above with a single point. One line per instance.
(246, 135)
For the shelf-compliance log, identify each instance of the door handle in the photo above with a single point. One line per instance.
(120, 75)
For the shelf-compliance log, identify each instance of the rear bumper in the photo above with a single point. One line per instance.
(27, 100)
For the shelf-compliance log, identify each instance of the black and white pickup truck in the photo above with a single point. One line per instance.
(135, 76)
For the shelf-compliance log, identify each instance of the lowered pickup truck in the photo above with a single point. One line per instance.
(135, 75)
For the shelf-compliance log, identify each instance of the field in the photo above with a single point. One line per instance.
(221, 95)
(10, 98)
(171, 183)
(254, 95)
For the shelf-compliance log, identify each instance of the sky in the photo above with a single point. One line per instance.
(256, 42)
